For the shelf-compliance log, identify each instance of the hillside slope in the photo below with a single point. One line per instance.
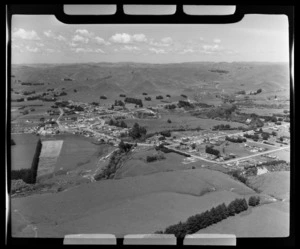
(126, 205)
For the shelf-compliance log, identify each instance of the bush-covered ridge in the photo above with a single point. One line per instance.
(115, 162)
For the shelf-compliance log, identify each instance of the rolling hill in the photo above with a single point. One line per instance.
(129, 205)
(134, 78)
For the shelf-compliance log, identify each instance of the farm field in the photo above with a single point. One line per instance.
(77, 151)
(48, 157)
(22, 153)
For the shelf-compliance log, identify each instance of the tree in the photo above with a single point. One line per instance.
(253, 201)
(273, 119)
(265, 136)
(169, 121)
(231, 209)
(111, 122)
(137, 131)
(123, 124)
(179, 230)
(124, 147)
(166, 133)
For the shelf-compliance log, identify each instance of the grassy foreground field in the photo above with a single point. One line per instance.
(142, 204)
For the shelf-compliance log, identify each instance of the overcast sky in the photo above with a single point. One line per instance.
(43, 39)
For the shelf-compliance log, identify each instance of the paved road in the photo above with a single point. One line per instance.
(243, 132)
(258, 154)
(233, 160)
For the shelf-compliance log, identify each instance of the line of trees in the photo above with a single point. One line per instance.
(211, 150)
(236, 140)
(237, 174)
(32, 84)
(182, 103)
(222, 127)
(117, 123)
(170, 107)
(255, 137)
(134, 101)
(119, 103)
(200, 221)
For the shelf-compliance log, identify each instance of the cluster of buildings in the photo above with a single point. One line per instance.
(254, 148)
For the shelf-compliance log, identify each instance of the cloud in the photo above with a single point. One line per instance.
(139, 38)
(157, 50)
(39, 44)
(187, 50)
(167, 40)
(50, 50)
(32, 50)
(100, 40)
(25, 35)
(127, 38)
(98, 50)
(60, 38)
(87, 50)
(84, 32)
(50, 34)
(164, 42)
(130, 48)
(121, 38)
(18, 48)
(216, 40)
(216, 49)
(79, 50)
(78, 38)
(72, 44)
(211, 48)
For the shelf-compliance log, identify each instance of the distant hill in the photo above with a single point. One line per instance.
(136, 78)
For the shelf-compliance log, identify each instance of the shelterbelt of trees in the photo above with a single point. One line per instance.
(216, 214)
